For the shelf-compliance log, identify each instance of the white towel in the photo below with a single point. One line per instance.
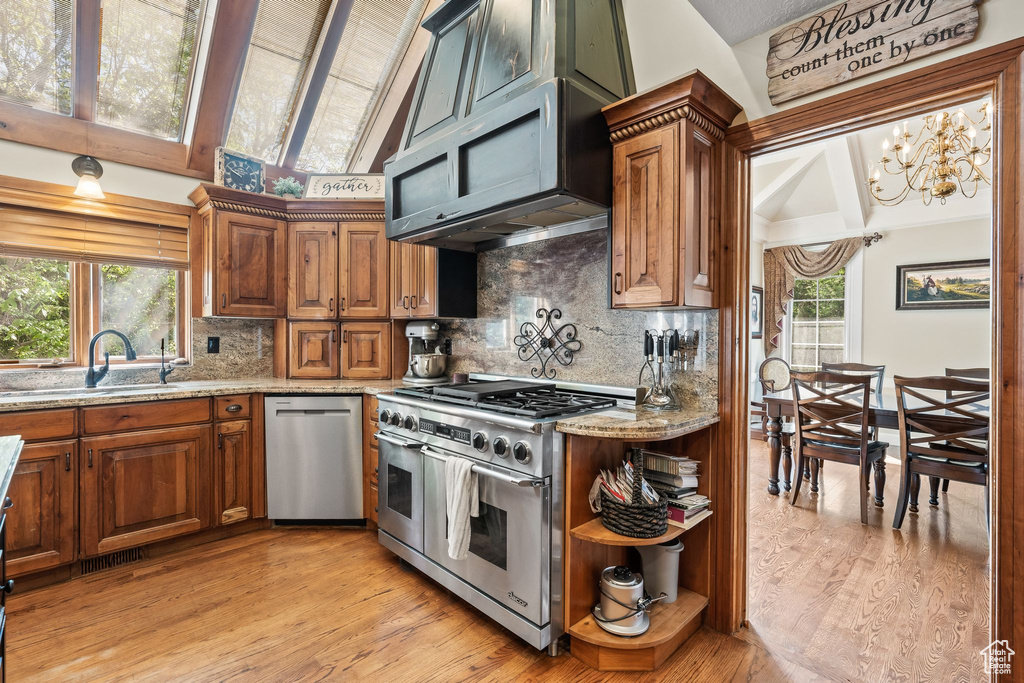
(462, 499)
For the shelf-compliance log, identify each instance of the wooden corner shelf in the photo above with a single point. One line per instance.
(596, 532)
(670, 625)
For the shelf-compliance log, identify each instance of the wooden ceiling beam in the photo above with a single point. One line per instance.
(86, 59)
(229, 44)
(309, 98)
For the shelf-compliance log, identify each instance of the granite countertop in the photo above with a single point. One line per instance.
(10, 451)
(643, 424)
(108, 394)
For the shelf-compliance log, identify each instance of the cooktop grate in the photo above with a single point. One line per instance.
(538, 403)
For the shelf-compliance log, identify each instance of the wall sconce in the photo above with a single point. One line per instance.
(88, 171)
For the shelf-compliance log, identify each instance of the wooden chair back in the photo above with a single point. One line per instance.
(831, 413)
(876, 371)
(944, 417)
(967, 373)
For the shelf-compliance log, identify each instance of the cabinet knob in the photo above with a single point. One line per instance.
(8, 503)
(8, 586)
(617, 283)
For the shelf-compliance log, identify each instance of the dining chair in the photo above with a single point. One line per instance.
(831, 410)
(876, 371)
(773, 374)
(963, 373)
(943, 435)
(759, 423)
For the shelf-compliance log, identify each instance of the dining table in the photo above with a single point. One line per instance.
(883, 413)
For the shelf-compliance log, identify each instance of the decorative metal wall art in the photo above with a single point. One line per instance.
(547, 342)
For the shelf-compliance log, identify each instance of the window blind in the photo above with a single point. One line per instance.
(51, 234)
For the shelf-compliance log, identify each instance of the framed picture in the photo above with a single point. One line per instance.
(756, 312)
(239, 171)
(345, 186)
(946, 285)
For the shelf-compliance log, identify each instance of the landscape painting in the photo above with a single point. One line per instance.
(952, 284)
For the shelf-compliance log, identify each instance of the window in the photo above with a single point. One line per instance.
(818, 322)
(35, 53)
(51, 308)
(145, 64)
(375, 38)
(283, 41)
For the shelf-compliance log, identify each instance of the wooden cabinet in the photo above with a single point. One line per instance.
(232, 465)
(664, 227)
(364, 270)
(313, 350)
(312, 270)
(366, 350)
(144, 486)
(41, 524)
(427, 282)
(370, 473)
(249, 257)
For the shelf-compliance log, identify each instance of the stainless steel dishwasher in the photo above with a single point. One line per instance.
(314, 457)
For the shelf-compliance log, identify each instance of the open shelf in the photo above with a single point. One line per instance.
(596, 532)
(666, 621)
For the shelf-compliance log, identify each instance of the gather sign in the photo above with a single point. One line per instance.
(860, 37)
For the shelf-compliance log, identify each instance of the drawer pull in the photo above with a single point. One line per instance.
(412, 300)
(617, 283)
(90, 457)
(220, 440)
(8, 503)
(234, 408)
(67, 461)
(330, 305)
(223, 300)
(405, 302)
(343, 303)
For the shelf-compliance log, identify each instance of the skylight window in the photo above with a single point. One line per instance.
(35, 53)
(283, 42)
(375, 39)
(146, 57)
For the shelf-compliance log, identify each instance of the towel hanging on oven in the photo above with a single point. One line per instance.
(462, 500)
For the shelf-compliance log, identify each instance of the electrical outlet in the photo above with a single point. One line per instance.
(447, 346)
(213, 344)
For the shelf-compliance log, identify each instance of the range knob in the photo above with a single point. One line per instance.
(385, 416)
(480, 441)
(521, 452)
(410, 423)
(396, 419)
(500, 446)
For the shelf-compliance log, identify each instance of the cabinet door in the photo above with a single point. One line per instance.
(423, 300)
(699, 220)
(313, 350)
(645, 235)
(232, 465)
(251, 273)
(313, 270)
(403, 269)
(366, 350)
(364, 270)
(41, 523)
(141, 487)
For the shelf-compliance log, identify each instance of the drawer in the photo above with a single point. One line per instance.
(234, 407)
(131, 416)
(41, 425)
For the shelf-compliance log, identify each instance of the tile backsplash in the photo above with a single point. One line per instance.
(571, 274)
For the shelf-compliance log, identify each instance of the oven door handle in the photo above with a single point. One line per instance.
(395, 442)
(484, 472)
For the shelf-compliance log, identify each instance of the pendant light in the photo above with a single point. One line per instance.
(88, 171)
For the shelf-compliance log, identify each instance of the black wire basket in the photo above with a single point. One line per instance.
(637, 519)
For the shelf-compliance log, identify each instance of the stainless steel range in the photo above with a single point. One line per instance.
(507, 428)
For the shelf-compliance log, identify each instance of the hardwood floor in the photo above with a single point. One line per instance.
(829, 600)
(867, 602)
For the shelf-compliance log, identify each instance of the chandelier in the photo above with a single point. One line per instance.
(944, 158)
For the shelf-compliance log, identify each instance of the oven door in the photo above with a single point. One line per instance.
(400, 489)
(510, 547)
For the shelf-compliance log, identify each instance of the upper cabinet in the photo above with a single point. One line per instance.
(248, 253)
(312, 270)
(427, 282)
(364, 270)
(666, 145)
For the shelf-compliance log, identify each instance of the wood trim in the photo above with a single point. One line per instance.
(316, 78)
(271, 206)
(997, 71)
(258, 486)
(85, 76)
(229, 44)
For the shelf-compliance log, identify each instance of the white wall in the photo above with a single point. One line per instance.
(668, 38)
(917, 343)
(756, 345)
(49, 166)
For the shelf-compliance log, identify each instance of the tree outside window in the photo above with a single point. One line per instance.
(819, 322)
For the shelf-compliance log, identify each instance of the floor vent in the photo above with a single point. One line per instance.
(96, 564)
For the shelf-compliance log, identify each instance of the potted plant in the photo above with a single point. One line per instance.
(289, 188)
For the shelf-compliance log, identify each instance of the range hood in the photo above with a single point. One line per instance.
(505, 140)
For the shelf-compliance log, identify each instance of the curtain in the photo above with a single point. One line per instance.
(782, 265)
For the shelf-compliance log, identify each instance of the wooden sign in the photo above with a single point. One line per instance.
(861, 37)
(345, 186)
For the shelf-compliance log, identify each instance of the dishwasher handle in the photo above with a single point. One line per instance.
(314, 412)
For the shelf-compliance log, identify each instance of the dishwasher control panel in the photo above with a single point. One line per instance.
(445, 431)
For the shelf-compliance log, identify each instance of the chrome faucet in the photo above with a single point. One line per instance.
(164, 369)
(92, 376)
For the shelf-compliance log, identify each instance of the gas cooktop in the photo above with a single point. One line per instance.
(512, 397)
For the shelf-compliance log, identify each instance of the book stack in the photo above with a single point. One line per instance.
(675, 479)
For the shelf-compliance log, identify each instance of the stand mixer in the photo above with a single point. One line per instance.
(425, 366)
